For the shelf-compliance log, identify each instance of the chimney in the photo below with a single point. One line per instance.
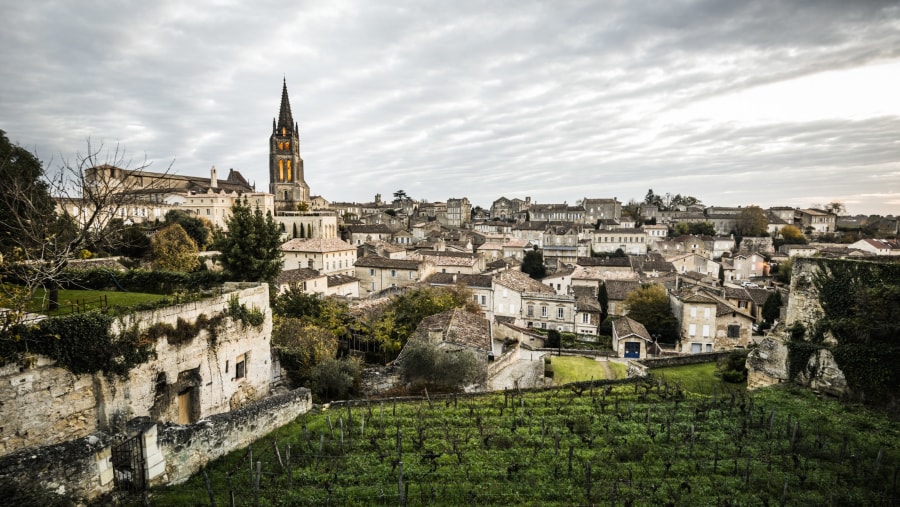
(213, 181)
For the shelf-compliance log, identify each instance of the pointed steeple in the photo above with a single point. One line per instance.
(285, 119)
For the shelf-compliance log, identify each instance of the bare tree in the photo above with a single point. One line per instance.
(86, 196)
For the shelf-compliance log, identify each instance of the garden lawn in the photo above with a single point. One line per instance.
(69, 297)
(698, 378)
(576, 369)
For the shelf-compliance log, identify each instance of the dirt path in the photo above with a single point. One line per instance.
(607, 370)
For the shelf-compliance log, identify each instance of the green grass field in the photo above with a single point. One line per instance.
(67, 298)
(575, 369)
(697, 377)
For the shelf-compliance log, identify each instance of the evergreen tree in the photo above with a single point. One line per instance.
(603, 299)
(533, 264)
(772, 307)
(294, 235)
(251, 247)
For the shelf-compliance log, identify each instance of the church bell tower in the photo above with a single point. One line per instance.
(285, 165)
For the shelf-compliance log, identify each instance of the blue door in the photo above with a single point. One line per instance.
(633, 349)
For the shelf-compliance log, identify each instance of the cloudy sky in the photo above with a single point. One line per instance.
(734, 102)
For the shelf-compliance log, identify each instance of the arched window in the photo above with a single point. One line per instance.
(289, 171)
(280, 170)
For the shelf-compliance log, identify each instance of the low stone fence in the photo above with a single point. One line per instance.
(83, 470)
(642, 367)
(501, 362)
(579, 352)
(186, 449)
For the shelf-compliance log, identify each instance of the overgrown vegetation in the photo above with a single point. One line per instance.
(861, 311)
(426, 364)
(641, 444)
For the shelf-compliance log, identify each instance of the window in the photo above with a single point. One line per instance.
(393, 273)
(371, 271)
(706, 312)
(530, 311)
(693, 311)
(500, 307)
(559, 313)
(709, 347)
(706, 330)
(483, 300)
(743, 304)
(475, 298)
(543, 311)
(412, 275)
(543, 325)
(692, 330)
(240, 366)
(585, 318)
(373, 286)
(734, 331)
(696, 348)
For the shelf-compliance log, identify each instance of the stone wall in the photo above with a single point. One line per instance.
(803, 302)
(642, 367)
(763, 245)
(41, 404)
(505, 359)
(82, 470)
(187, 449)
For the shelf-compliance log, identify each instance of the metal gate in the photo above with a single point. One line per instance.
(129, 464)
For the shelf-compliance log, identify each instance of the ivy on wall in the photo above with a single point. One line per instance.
(84, 343)
(860, 302)
(81, 343)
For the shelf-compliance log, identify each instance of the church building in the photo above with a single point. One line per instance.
(285, 165)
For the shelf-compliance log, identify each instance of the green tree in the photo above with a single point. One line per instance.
(301, 346)
(251, 249)
(533, 264)
(134, 241)
(783, 271)
(792, 235)
(772, 307)
(427, 364)
(752, 221)
(27, 195)
(649, 305)
(199, 229)
(173, 250)
(392, 326)
(603, 299)
(335, 379)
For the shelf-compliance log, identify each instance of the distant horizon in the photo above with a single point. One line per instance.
(775, 103)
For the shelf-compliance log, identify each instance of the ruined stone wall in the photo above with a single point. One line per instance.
(187, 449)
(82, 470)
(41, 404)
(803, 302)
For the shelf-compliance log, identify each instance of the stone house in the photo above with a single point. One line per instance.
(547, 310)
(480, 285)
(509, 287)
(601, 209)
(695, 263)
(343, 286)
(630, 339)
(329, 256)
(310, 224)
(587, 311)
(616, 292)
(815, 220)
(708, 323)
(746, 267)
(560, 281)
(877, 246)
(630, 241)
(307, 280)
(378, 273)
(356, 235)
(509, 209)
(453, 262)
(459, 212)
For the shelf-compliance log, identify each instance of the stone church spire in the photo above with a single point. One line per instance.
(286, 178)
(285, 118)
